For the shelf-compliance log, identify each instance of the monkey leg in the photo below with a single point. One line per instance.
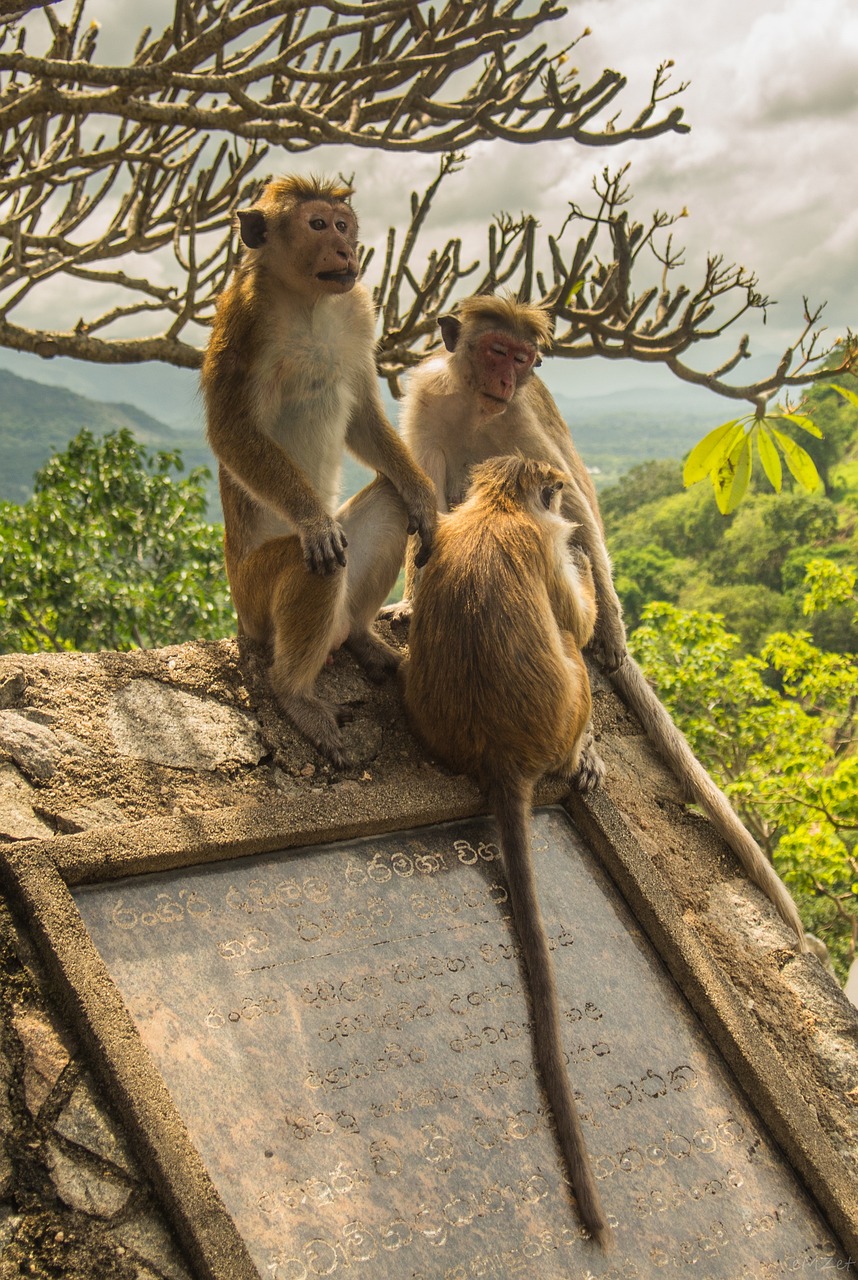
(304, 616)
(581, 765)
(375, 521)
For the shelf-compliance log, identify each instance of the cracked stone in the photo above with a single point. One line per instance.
(17, 819)
(12, 686)
(47, 1052)
(85, 1123)
(150, 1240)
(88, 1190)
(35, 748)
(150, 721)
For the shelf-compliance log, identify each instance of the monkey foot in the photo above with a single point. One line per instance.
(591, 770)
(320, 723)
(377, 659)
(398, 615)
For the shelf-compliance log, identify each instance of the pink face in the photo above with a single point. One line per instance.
(501, 361)
(329, 238)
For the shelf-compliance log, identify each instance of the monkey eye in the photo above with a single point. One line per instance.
(520, 359)
(498, 349)
(342, 226)
(318, 224)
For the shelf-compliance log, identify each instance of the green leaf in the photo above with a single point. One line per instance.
(851, 396)
(709, 453)
(731, 478)
(574, 288)
(799, 462)
(770, 458)
(802, 420)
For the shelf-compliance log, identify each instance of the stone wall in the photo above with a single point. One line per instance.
(92, 745)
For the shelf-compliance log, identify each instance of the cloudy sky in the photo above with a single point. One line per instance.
(768, 173)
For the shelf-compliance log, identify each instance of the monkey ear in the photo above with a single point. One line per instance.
(450, 327)
(537, 364)
(251, 225)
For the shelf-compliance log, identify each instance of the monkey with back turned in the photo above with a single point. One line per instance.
(479, 398)
(495, 686)
(289, 381)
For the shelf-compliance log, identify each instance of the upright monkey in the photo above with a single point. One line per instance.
(289, 381)
(480, 399)
(505, 605)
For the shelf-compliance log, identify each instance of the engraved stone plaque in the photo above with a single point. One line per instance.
(344, 1031)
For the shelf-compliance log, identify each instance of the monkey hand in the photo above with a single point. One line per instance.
(608, 647)
(422, 520)
(324, 547)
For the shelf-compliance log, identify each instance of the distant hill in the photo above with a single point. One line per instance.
(616, 431)
(613, 432)
(37, 420)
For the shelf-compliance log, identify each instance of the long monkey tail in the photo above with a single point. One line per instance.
(511, 801)
(631, 683)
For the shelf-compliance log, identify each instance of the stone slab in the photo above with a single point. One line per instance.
(344, 1030)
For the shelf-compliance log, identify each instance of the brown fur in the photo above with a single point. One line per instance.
(450, 424)
(289, 381)
(495, 686)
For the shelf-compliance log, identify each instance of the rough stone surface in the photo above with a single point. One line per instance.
(83, 1123)
(72, 1197)
(18, 821)
(232, 749)
(150, 721)
(35, 747)
(91, 1191)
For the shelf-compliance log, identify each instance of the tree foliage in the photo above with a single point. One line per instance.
(779, 733)
(112, 551)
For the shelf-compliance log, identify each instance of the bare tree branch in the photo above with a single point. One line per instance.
(126, 178)
(597, 310)
(102, 164)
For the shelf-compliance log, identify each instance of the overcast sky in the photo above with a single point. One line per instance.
(768, 173)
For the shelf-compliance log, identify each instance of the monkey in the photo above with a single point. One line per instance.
(505, 605)
(289, 381)
(480, 398)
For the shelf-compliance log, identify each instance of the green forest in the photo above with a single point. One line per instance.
(747, 624)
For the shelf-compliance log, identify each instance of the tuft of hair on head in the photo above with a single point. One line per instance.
(295, 188)
(513, 480)
(527, 320)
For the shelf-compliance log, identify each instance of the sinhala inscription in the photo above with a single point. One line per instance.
(346, 1034)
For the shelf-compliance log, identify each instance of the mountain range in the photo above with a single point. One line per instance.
(613, 431)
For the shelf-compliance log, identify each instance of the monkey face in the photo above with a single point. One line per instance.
(328, 238)
(312, 248)
(501, 362)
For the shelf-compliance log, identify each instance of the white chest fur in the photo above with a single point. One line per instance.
(307, 382)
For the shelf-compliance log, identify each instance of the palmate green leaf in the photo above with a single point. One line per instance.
(708, 454)
(799, 462)
(851, 396)
(731, 478)
(802, 420)
(769, 457)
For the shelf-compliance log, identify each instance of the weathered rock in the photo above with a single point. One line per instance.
(151, 721)
(148, 1239)
(47, 1051)
(17, 819)
(84, 1122)
(90, 1191)
(12, 686)
(36, 749)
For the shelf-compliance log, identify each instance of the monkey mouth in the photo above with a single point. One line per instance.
(341, 277)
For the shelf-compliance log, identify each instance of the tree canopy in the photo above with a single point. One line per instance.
(113, 551)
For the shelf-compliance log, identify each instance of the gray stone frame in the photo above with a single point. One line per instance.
(40, 873)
